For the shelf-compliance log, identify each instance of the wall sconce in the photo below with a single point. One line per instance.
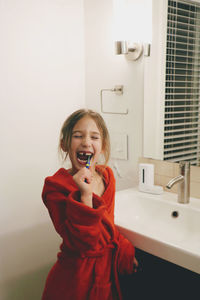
(132, 22)
(133, 51)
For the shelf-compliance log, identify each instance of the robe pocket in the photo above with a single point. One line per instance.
(101, 291)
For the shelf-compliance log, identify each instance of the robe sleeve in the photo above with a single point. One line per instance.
(126, 249)
(125, 256)
(75, 222)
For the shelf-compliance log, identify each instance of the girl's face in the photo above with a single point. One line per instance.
(86, 140)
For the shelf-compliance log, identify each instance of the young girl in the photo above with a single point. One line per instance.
(80, 202)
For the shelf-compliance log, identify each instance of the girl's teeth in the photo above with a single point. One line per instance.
(87, 153)
(83, 157)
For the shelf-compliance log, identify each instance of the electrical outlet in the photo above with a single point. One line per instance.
(119, 145)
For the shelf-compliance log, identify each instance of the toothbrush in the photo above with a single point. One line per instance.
(87, 166)
(88, 162)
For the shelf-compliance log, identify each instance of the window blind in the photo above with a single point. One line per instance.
(182, 90)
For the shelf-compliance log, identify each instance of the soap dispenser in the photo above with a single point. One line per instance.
(146, 180)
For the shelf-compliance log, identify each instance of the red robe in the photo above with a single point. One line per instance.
(93, 253)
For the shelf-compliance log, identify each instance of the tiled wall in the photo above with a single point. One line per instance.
(164, 171)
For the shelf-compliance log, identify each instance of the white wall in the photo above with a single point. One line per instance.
(49, 66)
(42, 81)
(104, 70)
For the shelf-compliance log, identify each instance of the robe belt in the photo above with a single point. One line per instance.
(98, 253)
(90, 253)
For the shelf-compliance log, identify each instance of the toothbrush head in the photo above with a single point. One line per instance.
(88, 162)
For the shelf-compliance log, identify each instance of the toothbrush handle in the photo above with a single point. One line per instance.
(88, 163)
(87, 166)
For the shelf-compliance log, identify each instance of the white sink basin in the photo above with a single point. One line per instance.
(159, 225)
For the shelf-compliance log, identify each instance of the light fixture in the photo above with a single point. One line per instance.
(132, 26)
(132, 50)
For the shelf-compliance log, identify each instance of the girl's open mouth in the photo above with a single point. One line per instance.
(83, 157)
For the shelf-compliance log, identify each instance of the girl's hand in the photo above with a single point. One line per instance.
(135, 265)
(83, 179)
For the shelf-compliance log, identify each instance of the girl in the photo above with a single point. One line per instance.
(80, 202)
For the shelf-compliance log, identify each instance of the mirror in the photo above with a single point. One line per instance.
(171, 102)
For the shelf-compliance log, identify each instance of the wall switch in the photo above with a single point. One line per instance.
(119, 145)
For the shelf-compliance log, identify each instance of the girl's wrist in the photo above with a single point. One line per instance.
(86, 198)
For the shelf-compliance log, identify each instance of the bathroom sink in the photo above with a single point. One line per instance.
(159, 225)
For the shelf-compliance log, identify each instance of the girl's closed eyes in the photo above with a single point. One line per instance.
(95, 137)
(92, 137)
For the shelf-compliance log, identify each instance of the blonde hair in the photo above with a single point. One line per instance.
(70, 122)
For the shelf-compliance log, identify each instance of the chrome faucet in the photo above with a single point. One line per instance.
(184, 182)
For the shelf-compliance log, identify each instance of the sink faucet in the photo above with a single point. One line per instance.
(184, 182)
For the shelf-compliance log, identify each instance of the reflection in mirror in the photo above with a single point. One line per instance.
(179, 126)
